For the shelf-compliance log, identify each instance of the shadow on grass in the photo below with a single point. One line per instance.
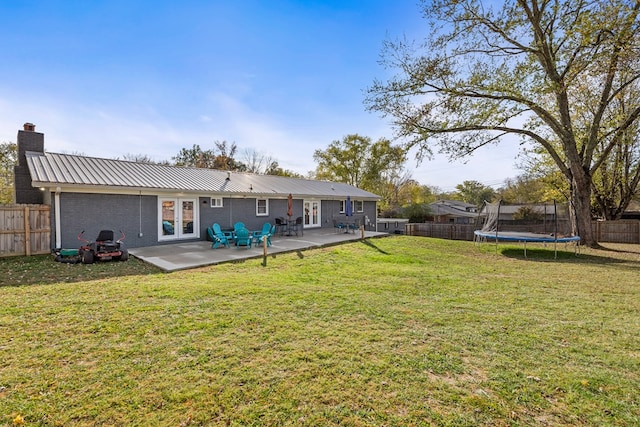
(44, 270)
(547, 255)
(620, 248)
(371, 245)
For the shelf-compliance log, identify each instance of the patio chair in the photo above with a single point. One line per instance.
(281, 225)
(217, 238)
(243, 238)
(265, 232)
(297, 225)
(218, 230)
(238, 226)
(339, 226)
(167, 228)
(271, 233)
(353, 226)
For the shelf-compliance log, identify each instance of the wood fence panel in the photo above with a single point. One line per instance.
(441, 230)
(620, 231)
(25, 230)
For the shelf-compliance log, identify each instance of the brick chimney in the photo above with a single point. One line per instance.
(28, 140)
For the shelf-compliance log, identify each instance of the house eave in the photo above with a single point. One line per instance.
(102, 189)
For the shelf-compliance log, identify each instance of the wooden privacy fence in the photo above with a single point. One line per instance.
(441, 230)
(621, 231)
(25, 230)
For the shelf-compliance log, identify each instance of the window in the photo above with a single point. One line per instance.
(359, 206)
(342, 204)
(216, 202)
(262, 207)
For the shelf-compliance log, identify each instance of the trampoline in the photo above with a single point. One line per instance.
(490, 231)
(516, 236)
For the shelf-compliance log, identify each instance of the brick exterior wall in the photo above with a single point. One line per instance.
(25, 193)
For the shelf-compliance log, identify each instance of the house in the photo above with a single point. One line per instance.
(453, 211)
(632, 211)
(157, 204)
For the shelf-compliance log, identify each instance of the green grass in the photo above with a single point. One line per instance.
(399, 331)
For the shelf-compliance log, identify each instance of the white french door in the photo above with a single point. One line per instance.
(312, 213)
(178, 218)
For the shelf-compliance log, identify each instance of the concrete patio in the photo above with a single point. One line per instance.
(182, 256)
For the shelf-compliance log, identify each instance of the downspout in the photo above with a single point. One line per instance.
(57, 215)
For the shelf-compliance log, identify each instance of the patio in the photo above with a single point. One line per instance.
(182, 256)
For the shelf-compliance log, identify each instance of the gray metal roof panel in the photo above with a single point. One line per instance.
(64, 169)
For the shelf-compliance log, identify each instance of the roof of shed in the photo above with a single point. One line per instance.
(65, 170)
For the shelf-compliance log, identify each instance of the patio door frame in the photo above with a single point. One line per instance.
(182, 215)
(309, 220)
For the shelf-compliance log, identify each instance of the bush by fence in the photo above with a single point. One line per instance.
(621, 231)
(25, 230)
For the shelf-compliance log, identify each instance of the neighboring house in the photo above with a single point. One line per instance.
(155, 204)
(453, 211)
(633, 210)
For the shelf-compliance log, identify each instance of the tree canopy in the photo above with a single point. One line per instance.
(8, 159)
(475, 193)
(373, 166)
(546, 72)
(221, 158)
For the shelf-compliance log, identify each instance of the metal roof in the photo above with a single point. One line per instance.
(65, 170)
(453, 208)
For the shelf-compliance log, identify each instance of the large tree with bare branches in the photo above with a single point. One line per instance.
(518, 67)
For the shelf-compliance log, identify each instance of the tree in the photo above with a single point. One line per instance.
(393, 189)
(357, 161)
(615, 182)
(257, 162)
(412, 192)
(526, 189)
(194, 157)
(8, 159)
(475, 193)
(141, 158)
(527, 213)
(485, 73)
(275, 169)
(223, 159)
(416, 212)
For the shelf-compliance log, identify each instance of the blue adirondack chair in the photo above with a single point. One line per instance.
(217, 230)
(243, 238)
(258, 235)
(272, 233)
(238, 226)
(217, 237)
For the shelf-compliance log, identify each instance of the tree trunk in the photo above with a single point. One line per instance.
(581, 206)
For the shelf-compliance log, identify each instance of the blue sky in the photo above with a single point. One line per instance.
(109, 78)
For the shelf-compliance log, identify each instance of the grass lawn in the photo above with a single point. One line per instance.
(397, 331)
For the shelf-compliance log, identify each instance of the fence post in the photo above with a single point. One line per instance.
(27, 232)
